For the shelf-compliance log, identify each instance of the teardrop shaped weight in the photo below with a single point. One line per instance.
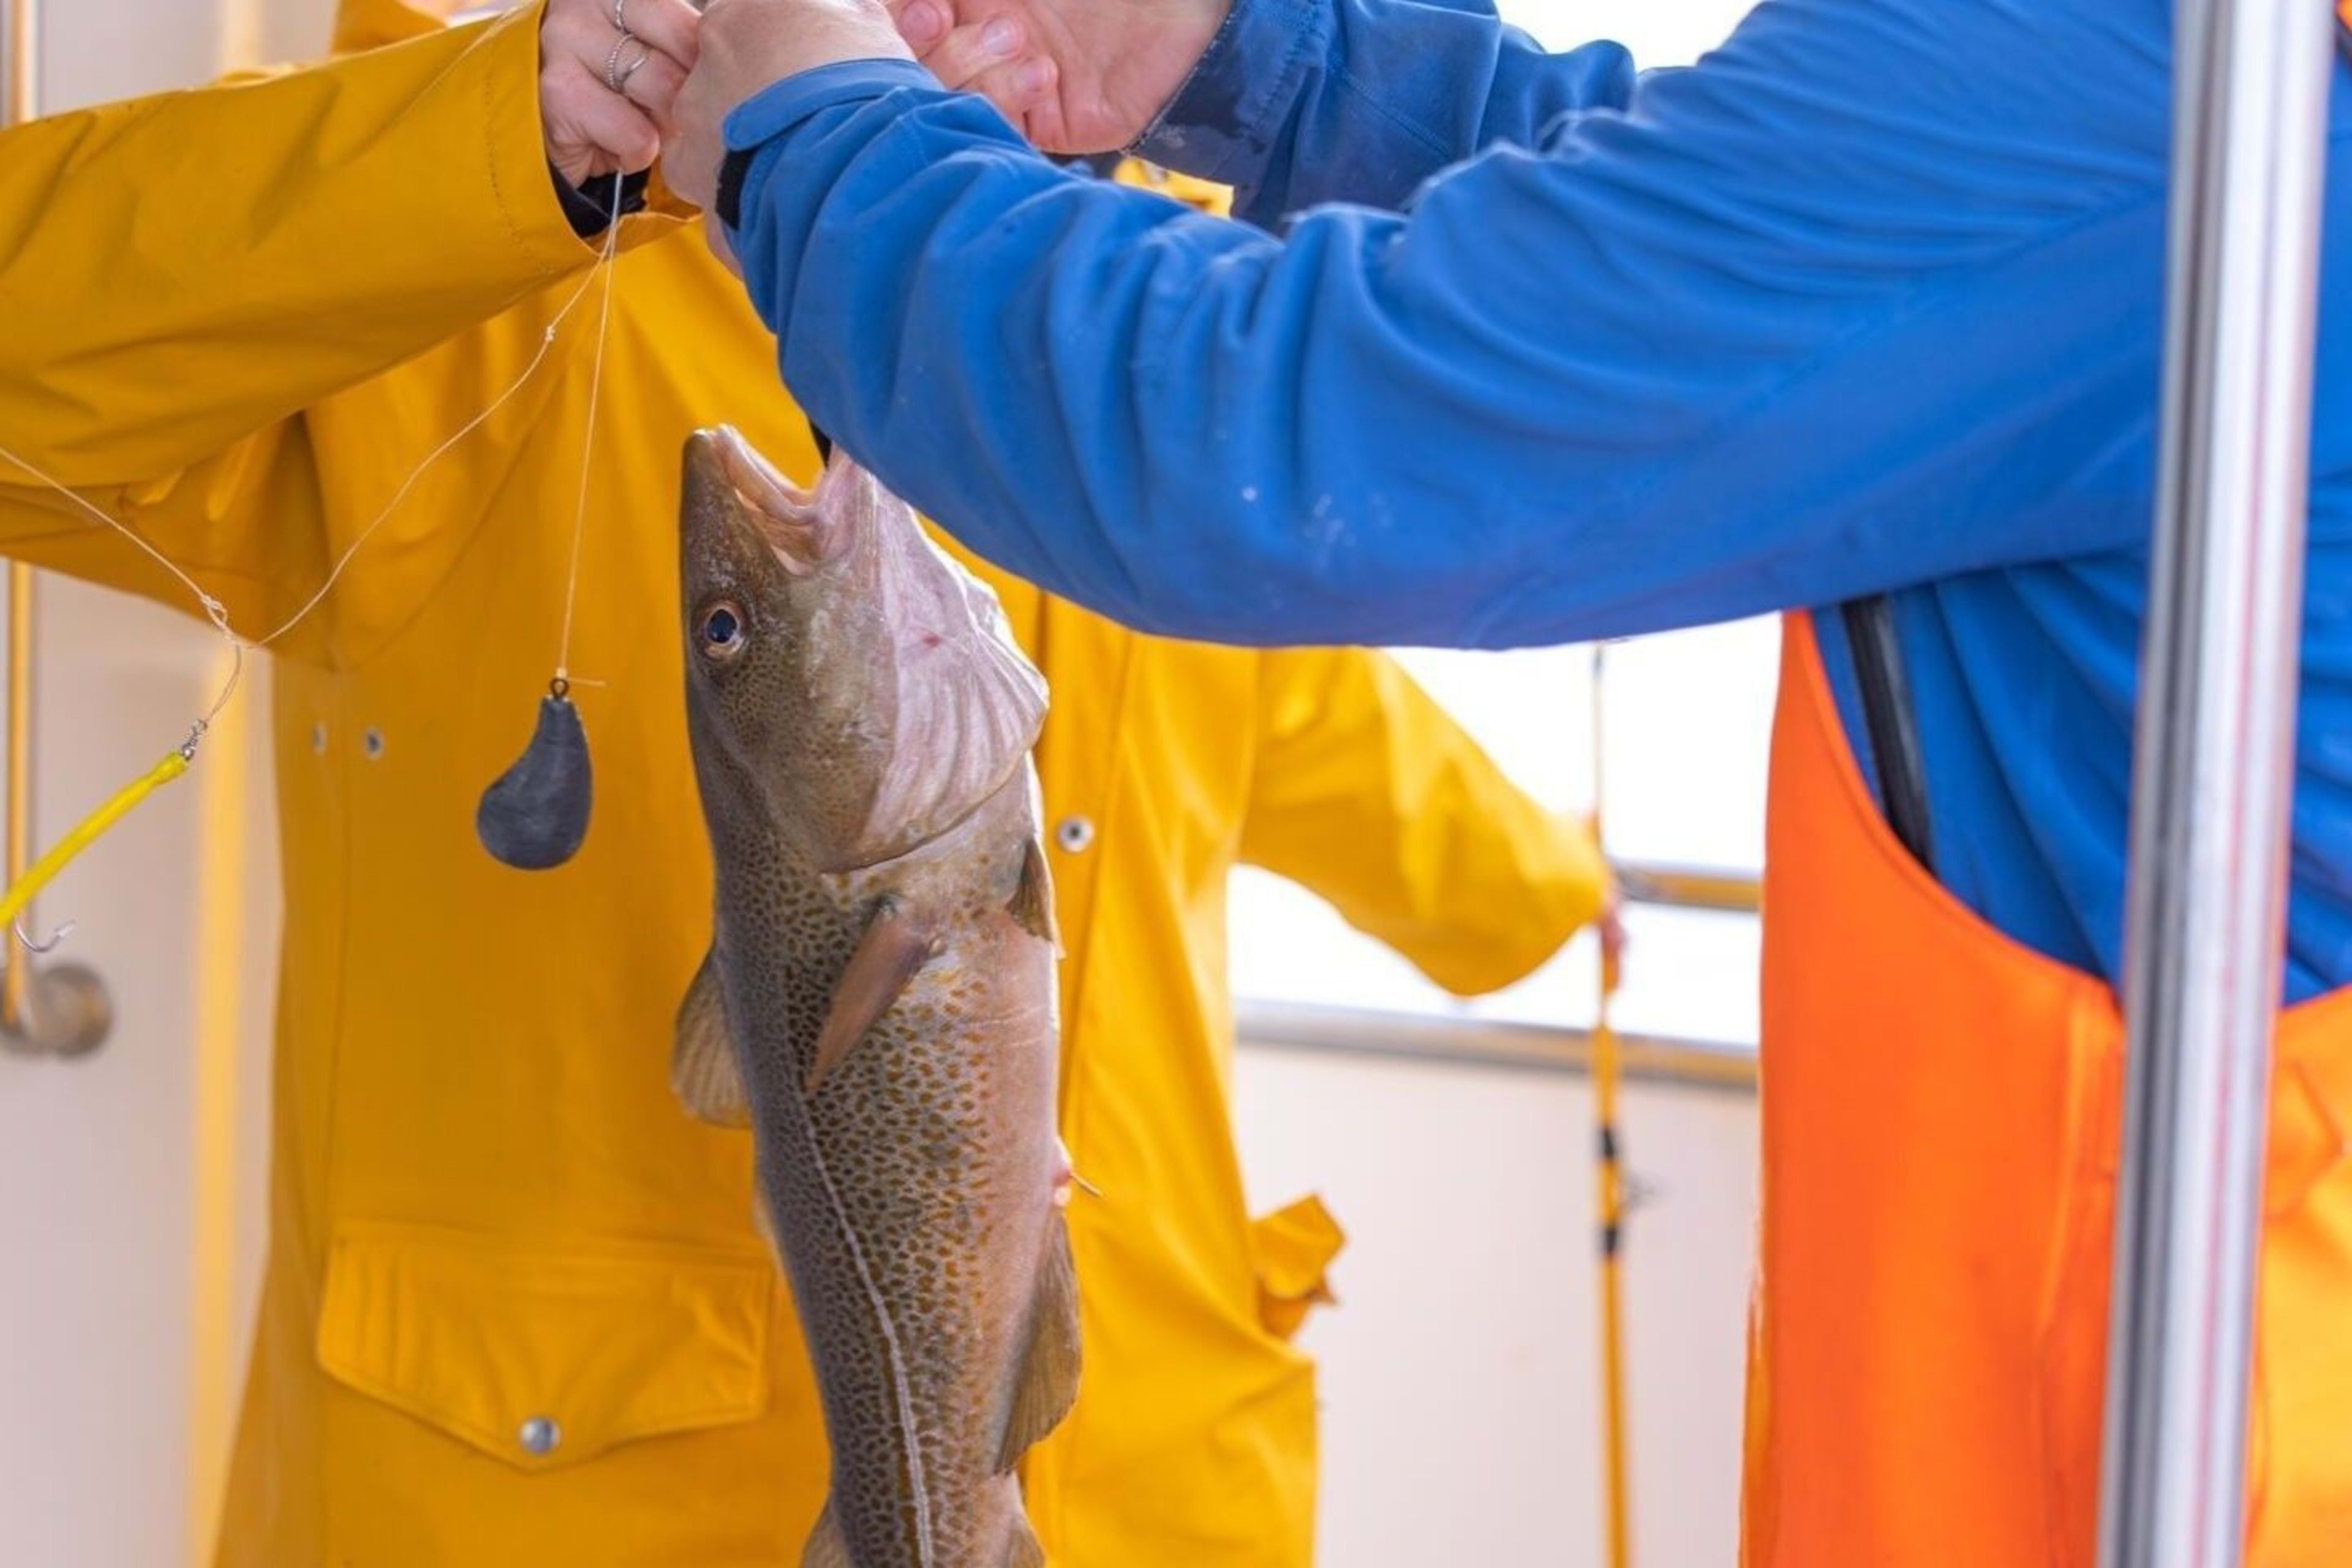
(535, 816)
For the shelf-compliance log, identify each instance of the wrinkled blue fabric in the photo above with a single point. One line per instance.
(1869, 299)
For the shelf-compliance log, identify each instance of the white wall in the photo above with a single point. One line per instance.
(1460, 1366)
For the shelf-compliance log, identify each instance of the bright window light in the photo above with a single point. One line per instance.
(1688, 720)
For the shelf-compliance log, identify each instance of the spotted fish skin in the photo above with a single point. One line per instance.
(883, 965)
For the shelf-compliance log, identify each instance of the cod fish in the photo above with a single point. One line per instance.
(879, 1004)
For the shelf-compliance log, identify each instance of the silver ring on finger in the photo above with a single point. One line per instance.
(616, 74)
(619, 17)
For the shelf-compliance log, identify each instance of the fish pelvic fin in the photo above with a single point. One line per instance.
(828, 1548)
(896, 946)
(703, 1071)
(1032, 902)
(1047, 1382)
(1023, 1551)
(764, 1224)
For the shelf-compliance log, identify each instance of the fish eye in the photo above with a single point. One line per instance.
(721, 631)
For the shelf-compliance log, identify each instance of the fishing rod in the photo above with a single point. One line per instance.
(1610, 1188)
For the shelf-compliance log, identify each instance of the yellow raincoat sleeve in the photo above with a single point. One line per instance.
(1368, 793)
(184, 273)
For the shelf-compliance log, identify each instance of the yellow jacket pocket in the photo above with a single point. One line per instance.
(544, 1355)
(1293, 1248)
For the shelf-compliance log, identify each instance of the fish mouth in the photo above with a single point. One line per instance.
(719, 456)
(727, 478)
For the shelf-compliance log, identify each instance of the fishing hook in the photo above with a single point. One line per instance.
(55, 937)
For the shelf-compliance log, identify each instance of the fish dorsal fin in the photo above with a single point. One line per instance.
(703, 1070)
(1048, 1379)
(896, 946)
(828, 1548)
(1023, 1551)
(1032, 903)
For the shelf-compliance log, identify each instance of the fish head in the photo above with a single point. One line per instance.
(847, 680)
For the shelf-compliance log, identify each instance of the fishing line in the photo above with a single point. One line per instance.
(588, 438)
(546, 345)
(176, 761)
(534, 816)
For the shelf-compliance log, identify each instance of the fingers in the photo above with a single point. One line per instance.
(583, 30)
(591, 128)
(669, 26)
(664, 32)
(922, 23)
(966, 52)
(653, 86)
(1025, 90)
(587, 120)
(992, 56)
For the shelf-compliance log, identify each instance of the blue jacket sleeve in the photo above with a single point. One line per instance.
(1753, 343)
(1299, 103)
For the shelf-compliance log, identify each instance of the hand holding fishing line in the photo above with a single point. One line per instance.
(609, 75)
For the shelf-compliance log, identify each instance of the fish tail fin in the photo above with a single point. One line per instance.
(1023, 1551)
(1049, 1377)
(828, 1548)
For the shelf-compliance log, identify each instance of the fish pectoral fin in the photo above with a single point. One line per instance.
(1023, 1551)
(828, 1548)
(1032, 902)
(896, 946)
(1048, 1378)
(703, 1071)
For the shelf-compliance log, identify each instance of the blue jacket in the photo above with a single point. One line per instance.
(1869, 299)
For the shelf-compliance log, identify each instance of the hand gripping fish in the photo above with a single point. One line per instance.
(879, 1004)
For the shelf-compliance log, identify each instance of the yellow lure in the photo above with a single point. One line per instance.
(90, 830)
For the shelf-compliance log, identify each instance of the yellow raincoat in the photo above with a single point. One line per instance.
(515, 1314)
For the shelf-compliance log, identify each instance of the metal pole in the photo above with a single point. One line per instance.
(1688, 887)
(62, 1010)
(1492, 1045)
(2213, 773)
(22, 33)
(19, 836)
(16, 844)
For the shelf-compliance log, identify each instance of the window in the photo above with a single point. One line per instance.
(1687, 722)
